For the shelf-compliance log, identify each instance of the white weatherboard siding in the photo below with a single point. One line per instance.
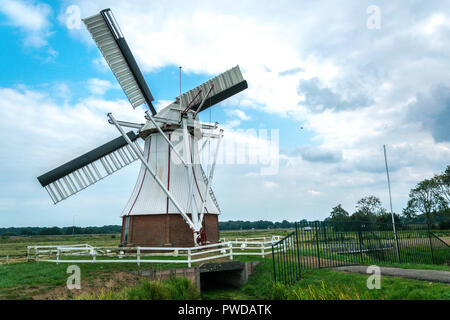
(148, 198)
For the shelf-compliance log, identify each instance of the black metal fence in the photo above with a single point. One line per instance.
(286, 259)
(333, 244)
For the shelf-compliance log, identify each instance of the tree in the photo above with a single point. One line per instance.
(368, 208)
(338, 213)
(387, 218)
(50, 231)
(409, 213)
(443, 186)
(26, 232)
(425, 198)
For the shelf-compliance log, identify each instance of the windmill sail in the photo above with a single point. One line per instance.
(109, 39)
(78, 174)
(225, 85)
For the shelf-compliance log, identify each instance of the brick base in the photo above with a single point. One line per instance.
(166, 230)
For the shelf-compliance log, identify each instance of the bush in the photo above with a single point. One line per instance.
(8, 234)
(182, 289)
(148, 290)
(170, 289)
(444, 225)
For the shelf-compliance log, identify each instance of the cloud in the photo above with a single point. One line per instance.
(314, 193)
(317, 154)
(432, 110)
(162, 104)
(353, 88)
(100, 87)
(290, 72)
(39, 135)
(238, 113)
(32, 18)
(270, 185)
(319, 97)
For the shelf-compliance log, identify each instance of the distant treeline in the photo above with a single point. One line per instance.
(249, 225)
(440, 222)
(43, 231)
(223, 225)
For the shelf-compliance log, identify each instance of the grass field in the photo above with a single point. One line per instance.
(40, 280)
(324, 284)
(16, 246)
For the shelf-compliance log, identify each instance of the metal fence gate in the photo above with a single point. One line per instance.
(339, 243)
(286, 259)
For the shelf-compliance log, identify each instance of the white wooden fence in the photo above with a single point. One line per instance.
(60, 253)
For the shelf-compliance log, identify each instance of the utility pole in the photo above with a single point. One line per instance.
(73, 226)
(390, 202)
(180, 85)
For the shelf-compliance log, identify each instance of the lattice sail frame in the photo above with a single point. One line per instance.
(88, 169)
(111, 43)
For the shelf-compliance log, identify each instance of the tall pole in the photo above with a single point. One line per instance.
(390, 202)
(180, 87)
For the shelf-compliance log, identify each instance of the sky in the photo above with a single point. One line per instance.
(329, 84)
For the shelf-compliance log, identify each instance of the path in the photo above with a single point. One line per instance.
(426, 275)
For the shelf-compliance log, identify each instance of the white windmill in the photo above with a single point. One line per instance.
(172, 203)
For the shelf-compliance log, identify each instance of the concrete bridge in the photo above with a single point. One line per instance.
(208, 275)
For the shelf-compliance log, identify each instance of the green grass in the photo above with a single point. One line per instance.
(17, 245)
(21, 280)
(169, 289)
(25, 280)
(326, 284)
(416, 266)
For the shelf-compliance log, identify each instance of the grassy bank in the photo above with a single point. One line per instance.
(41, 280)
(170, 289)
(324, 284)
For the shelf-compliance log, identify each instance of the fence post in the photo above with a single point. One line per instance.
(189, 258)
(57, 255)
(7, 259)
(262, 249)
(297, 241)
(28, 254)
(429, 236)
(360, 246)
(94, 255)
(139, 256)
(231, 251)
(431, 246)
(396, 243)
(273, 264)
(317, 241)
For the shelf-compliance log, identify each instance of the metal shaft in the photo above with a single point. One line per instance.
(200, 107)
(390, 202)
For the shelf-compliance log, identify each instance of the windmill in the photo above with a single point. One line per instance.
(172, 203)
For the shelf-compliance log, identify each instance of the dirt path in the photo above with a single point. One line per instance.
(425, 275)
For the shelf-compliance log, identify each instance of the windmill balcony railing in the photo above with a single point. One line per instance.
(181, 255)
